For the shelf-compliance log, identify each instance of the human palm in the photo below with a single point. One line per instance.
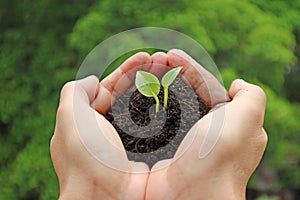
(221, 151)
(87, 153)
(198, 166)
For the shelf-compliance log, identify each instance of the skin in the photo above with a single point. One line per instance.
(80, 175)
(224, 170)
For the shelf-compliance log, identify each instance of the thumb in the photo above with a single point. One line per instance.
(244, 93)
(84, 90)
(89, 86)
(97, 135)
(248, 103)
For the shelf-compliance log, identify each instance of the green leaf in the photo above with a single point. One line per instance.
(170, 76)
(147, 84)
(167, 80)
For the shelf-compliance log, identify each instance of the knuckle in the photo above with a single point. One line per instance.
(264, 138)
(66, 96)
(67, 86)
(260, 94)
(63, 111)
(260, 142)
(255, 104)
(52, 145)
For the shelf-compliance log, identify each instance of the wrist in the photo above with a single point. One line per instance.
(215, 189)
(201, 189)
(77, 188)
(225, 190)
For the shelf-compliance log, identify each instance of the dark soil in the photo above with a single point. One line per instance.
(149, 136)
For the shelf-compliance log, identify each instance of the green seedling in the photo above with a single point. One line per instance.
(167, 80)
(148, 85)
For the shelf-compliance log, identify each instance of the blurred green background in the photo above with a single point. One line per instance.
(42, 44)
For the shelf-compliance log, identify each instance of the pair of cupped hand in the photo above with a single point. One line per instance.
(211, 163)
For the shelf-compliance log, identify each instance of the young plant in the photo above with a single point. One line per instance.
(167, 80)
(148, 85)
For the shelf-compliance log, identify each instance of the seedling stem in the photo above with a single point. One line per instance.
(165, 98)
(157, 102)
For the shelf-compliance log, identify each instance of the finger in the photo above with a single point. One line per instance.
(242, 90)
(264, 138)
(86, 90)
(233, 126)
(205, 84)
(159, 64)
(245, 94)
(91, 129)
(248, 105)
(126, 73)
(89, 86)
(120, 81)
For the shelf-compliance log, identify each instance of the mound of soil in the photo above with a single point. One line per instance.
(149, 136)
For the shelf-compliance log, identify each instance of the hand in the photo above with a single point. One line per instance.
(82, 176)
(85, 147)
(218, 161)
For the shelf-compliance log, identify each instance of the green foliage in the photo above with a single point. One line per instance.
(253, 43)
(148, 85)
(287, 12)
(35, 61)
(44, 42)
(167, 80)
(264, 197)
(237, 33)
